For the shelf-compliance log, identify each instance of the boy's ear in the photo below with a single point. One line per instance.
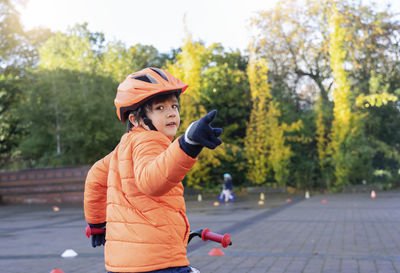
(133, 120)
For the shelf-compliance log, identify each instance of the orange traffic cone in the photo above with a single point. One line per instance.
(373, 194)
(56, 270)
(288, 200)
(216, 252)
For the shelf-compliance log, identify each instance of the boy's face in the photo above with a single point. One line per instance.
(165, 116)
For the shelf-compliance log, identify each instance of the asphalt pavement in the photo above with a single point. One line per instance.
(326, 233)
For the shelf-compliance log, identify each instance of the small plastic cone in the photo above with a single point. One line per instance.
(288, 200)
(261, 202)
(373, 194)
(262, 196)
(216, 252)
(56, 270)
(324, 201)
(216, 204)
(69, 253)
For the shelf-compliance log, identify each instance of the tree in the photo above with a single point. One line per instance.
(67, 123)
(10, 131)
(66, 99)
(226, 88)
(345, 127)
(265, 140)
(294, 37)
(323, 128)
(64, 103)
(352, 152)
(188, 68)
(119, 61)
(372, 45)
(381, 116)
(256, 147)
(75, 50)
(12, 37)
(216, 80)
(18, 53)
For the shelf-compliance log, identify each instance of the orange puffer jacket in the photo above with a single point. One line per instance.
(137, 189)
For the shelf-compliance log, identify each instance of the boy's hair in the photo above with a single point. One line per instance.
(140, 113)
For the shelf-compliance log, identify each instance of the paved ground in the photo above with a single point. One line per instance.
(347, 233)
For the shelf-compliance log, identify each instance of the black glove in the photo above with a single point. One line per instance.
(200, 134)
(97, 232)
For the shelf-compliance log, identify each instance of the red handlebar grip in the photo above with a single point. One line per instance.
(93, 231)
(225, 240)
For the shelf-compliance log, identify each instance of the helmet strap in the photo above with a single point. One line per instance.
(148, 122)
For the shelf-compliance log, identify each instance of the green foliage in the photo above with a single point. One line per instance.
(217, 80)
(18, 52)
(304, 171)
(75, 50)
(10, 132)
(265, 145)
(383, 179)
(295, 38)
(67, 98)
(336, 82)
(344, 120)
(66, 118)
(322, 132)
(188, 68)
(12, 37)
(352, 151)
(256, 148)
(118, 61)
(379, 93)
(225, 87)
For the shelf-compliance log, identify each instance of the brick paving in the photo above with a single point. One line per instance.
(348, 233)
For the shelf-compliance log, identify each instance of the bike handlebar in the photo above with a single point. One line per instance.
(225, 239)
(205, 235)
(93, 231)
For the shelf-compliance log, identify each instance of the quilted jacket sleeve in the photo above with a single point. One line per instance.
(95, 196)
(159, 165)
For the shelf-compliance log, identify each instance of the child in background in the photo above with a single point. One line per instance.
(135, 192)
(227, 190)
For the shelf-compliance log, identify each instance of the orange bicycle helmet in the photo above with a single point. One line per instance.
(141, 86)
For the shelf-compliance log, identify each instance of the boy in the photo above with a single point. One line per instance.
(136, 190)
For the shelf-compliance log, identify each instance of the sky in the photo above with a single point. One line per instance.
(158, 22)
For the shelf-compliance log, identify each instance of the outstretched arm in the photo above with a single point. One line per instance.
(159, 166)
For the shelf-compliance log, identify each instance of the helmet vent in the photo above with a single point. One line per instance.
(159, 72)
(145, 78)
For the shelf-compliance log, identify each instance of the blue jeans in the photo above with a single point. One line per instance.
(181, 269)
